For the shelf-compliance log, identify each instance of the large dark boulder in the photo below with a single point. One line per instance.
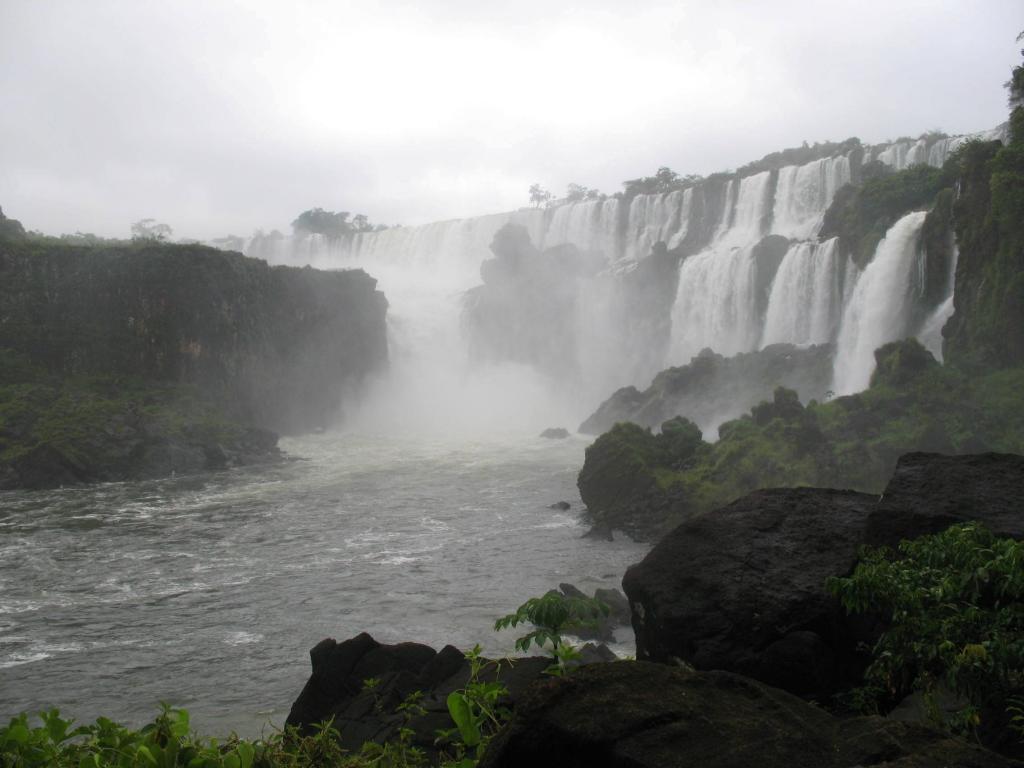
(743, 587)
(641, 715)
(929, 492)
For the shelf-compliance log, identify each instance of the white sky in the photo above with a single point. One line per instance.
(220, 117)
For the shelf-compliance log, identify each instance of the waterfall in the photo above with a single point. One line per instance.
(629, 316)
(879, 308)
(806, 295)
(931, 330)
(716, 302)
(804, 193)
(591, 225)
(657, 218)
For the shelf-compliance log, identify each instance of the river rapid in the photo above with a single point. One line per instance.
(208, 591)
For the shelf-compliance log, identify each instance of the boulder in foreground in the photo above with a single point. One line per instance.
(642, 715)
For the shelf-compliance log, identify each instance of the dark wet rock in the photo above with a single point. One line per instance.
(555, 433)
(560, 505)
(570, 590)
(604, 628)
(360, 683)
(601, 532)
(742, 588)
(617, 604)
(594, 654)
(641, 715)
(723, 590)
(929, 492)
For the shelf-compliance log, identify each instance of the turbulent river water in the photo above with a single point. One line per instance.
(208, 591)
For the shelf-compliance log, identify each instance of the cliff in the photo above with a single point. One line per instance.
(109, 351)
(987, 326)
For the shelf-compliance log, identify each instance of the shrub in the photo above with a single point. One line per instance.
(955, 605)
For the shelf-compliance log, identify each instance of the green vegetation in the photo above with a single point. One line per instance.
(477, 712)
(317, 221)
(552, 615)
(10, 229)
(664, 180)
(81, 428)
(989, 223)
(151, 230)
(861, 215)
(647, 483)
(539, 196)
(167, 742)
(955, 607)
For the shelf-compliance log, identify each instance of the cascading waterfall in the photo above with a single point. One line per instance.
(591, 225)
(715, 303)
(727, 296)
(803, 194)
(657, 218)
(879, 308)
(806, 295)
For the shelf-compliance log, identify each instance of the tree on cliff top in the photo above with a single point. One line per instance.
(576, 193)
(663, 180)
(151, 229)
(317, 221)
(539, 195)
(10, 229)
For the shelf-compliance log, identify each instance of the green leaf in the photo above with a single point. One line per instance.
(462, 715)
(245, 754)
(17, 733)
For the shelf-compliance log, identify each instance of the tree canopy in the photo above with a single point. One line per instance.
(151, 229)
(317, 221)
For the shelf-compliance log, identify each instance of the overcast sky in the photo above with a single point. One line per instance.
(220, 117)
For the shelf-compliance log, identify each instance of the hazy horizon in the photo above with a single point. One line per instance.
(222, 119)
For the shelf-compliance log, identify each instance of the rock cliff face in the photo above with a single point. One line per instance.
(987, 326)
(145, 360)
(561, 310)
(275, 347)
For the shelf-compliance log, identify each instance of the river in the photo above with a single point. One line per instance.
(208, 591)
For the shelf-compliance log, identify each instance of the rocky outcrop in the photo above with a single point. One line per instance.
(360, 683)
(146, 360)
(645, 483)
(540, 308)
(929, 492)
(603, 628)
(275, 347)
(742, 588)
(713, 388)
(641, 715)
(525, 308)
